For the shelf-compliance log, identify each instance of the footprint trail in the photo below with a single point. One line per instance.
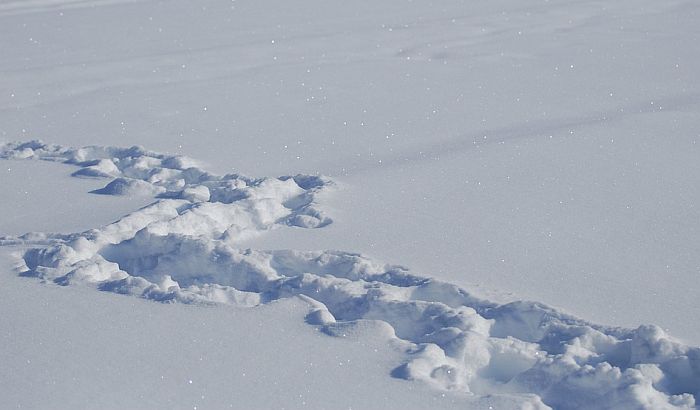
(185, 247)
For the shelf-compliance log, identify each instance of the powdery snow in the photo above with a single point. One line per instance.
(185, 247)
(514, 149)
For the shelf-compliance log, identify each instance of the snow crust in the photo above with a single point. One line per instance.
(185, 247)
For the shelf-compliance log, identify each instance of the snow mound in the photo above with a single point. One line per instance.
(184, 248)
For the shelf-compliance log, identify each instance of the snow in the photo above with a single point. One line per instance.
(500, 152)
(186, 248)
(69, 348)
(30, 202)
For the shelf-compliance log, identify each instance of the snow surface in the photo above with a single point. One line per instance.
(30, 202)
(74, 349)
(521, 150)
(185, 247)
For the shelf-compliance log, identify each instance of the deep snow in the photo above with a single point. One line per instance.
(528, 142)
(185, 247)
(77, 349)
(537, 150)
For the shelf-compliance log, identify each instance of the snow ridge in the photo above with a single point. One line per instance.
(184, 248)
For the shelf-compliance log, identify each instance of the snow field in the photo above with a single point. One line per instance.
(185, 248)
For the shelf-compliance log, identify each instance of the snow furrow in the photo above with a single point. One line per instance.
(185, 247)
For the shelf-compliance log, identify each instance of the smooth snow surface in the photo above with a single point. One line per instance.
(184, 247)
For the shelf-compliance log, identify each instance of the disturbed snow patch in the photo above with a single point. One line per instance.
(183, 247)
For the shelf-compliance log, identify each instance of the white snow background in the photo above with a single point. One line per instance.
(447, 163)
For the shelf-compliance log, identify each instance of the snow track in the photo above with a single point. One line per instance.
(185, 247)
